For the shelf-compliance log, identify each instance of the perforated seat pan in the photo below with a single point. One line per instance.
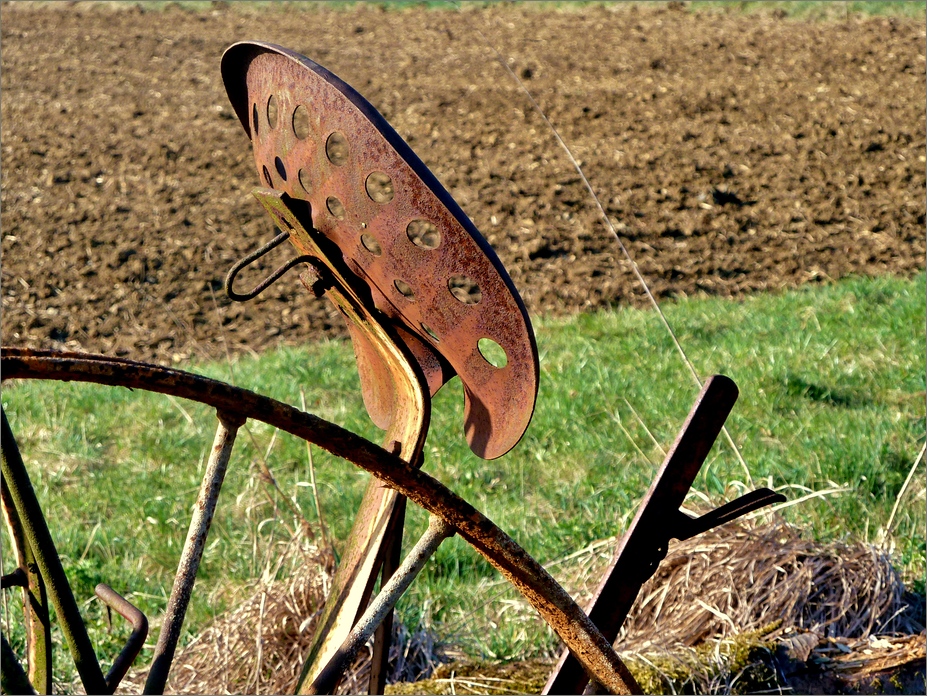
(443, 291)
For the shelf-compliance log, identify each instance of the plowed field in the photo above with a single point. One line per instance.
(735, 153)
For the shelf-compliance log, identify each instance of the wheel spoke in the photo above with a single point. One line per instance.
(46, 557)
(192, 554)
(35, 599)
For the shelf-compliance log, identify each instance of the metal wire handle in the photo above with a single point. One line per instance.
(271, 279)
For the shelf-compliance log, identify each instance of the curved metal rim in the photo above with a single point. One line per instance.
(550, 600)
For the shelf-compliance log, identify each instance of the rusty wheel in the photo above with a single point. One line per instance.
(42, 576)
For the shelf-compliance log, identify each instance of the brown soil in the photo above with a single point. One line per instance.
(735, 153)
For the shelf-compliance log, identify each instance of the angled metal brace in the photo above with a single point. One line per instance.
(658, 520)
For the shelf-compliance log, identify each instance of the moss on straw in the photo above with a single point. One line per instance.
(738, 665)
(524, 677)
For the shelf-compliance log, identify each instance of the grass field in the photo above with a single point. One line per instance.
(815, 9)
(832, 401)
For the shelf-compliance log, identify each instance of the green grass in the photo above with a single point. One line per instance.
(816, 9)
(832, 382)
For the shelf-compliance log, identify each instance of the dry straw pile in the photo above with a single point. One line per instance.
(739, 578)
(727, 582)
(259, 647)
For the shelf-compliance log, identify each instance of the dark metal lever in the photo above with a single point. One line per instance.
(754, 500)
(658, 520)
(113, 600)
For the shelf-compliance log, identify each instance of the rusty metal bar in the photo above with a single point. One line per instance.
(133, 646)
(35, 599)
(192, 554)
(537, 586)
(438, 530)
(46, 557)
(19, 363)
(13, 679)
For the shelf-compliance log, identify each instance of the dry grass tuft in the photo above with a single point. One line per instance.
(228, 657)
(742, 578)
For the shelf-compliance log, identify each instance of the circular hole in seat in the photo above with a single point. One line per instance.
(465, 289)
(267, 179)
(254, 119)
(301, 122)
(335, 207)
(431, 333)
(404, 289)
(423, 234)
(379, 187)
(492, 352)
(281, 169)
(336, 149)
(371, 244)
(272, 111)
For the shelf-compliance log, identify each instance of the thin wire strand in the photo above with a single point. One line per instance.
(904, 488)
(611, 228)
